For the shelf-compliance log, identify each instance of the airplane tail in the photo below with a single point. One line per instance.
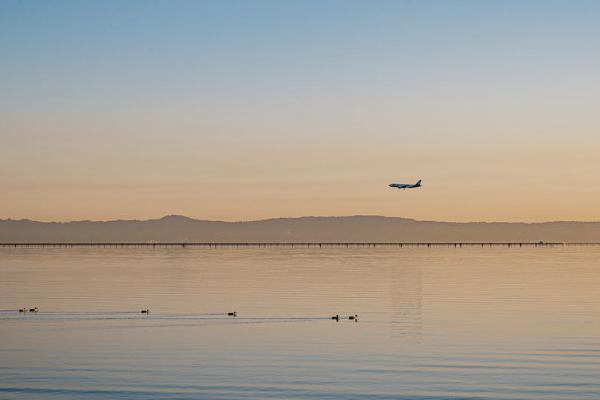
(418, 183)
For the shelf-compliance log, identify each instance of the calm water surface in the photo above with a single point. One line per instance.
(433, 323)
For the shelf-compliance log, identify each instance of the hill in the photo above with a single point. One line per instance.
(304, 229)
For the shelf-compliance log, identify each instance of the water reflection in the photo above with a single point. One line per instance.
(406, 296)
(434, 323)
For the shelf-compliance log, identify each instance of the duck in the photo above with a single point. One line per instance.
(232, 314)
(34, 309)
(353, 317)
(336, 317)
(145, 311)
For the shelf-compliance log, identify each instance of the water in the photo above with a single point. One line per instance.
(433, 323)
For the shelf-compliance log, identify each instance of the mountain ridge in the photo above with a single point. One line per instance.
(357, 228)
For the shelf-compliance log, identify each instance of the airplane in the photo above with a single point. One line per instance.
(405, 185)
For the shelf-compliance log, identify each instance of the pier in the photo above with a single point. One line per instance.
(293, 244)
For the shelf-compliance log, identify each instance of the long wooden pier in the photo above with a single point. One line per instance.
(293, 244)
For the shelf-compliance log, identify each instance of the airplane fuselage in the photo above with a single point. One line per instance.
(405, 185)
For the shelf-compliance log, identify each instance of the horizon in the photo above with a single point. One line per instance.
(296, 217)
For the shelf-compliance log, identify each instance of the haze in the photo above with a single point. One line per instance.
(249, 110)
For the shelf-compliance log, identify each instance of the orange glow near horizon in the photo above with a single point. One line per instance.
(243, 112)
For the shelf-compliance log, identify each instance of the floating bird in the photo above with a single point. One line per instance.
(336, 317)
(232, 314)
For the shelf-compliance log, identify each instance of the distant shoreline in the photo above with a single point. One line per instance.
(300, 244)
(351, 229)
(266, 220)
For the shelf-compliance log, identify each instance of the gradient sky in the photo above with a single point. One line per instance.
(241, 110)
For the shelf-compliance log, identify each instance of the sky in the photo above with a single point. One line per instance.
(242, 110)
